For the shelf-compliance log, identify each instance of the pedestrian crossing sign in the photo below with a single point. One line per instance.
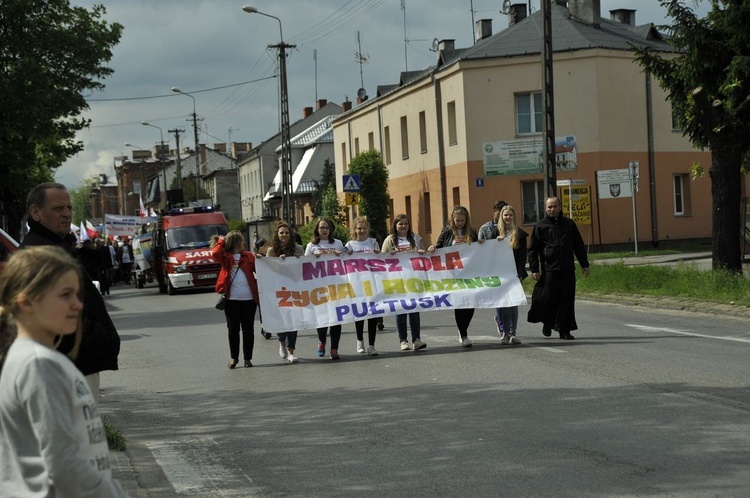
(351, 183)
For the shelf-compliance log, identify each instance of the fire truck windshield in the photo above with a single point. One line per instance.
(195, 236)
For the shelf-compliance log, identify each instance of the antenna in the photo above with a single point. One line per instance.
(506, 7)
(361, 59)
(435, 45)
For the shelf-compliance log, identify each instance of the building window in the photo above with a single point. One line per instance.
(452, 133)
(407, 207)
(343, 152)
(529, 110)
(427, 213)
(387, 139)
(533, 201)
(676, 126)
(404, 139)
(356, 146)
(681, 195)
(422, 132)
(456, 196)
(371, 141)
(137, 187)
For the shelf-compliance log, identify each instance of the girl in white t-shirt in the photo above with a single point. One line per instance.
(54, 442)
(323, 243)
(362, 242)
(403, 239)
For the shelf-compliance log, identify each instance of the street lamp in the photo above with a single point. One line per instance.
(161, 156)
(195, 135)
(286, 139)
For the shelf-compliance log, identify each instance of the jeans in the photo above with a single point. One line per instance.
(289, 339)
(413, 325)
(240, 315)
(335, 335)
(510, 319)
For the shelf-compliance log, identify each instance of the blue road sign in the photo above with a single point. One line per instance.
(351, 183)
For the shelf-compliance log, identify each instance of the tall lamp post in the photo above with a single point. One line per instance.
(161, 157)
(286, 146)
(195, 135)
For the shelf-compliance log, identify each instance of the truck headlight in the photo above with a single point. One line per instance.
(181, 268)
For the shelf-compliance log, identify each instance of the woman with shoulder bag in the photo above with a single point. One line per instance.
(238, 285)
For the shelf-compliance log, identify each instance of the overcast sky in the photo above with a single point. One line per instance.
(203, 45)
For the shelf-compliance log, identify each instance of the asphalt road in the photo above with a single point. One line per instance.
(642, 403)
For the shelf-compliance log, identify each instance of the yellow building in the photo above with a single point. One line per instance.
(468, 131)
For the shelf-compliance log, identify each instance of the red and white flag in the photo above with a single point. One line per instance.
(91, 230)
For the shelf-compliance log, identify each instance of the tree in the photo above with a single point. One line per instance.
(336, 212)
(708, 81)
(327, 179)
(188, 189)
(80, 197)
(51, 56)
(373, 199)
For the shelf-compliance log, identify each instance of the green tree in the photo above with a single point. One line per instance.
(80, 197)
(188, 189)
(335, 211)
(708, 81)
(51, 56)
(327, 179)
(373, 199)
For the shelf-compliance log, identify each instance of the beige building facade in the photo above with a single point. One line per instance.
(434, 127)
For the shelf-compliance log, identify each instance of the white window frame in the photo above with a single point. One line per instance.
(533, 209)
(678, 189)
(535, 114)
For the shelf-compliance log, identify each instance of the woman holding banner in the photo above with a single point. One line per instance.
(361, 242)
(323, 243)
(403, 239)
(458, 231)
(283, 246)
(508, 229)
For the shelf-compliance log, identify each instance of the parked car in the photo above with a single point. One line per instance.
(7, 245)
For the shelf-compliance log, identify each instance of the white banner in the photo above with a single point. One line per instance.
(309, 292)
(118, 226)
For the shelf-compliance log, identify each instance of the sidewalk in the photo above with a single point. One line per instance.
(122, 470)
(660, 259)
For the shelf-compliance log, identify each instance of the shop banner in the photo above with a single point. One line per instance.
(309, 292)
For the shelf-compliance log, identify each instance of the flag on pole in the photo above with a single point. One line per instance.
(143, 211)
(83, 234)
(91, 230)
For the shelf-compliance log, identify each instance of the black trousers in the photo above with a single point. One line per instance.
(240, 315)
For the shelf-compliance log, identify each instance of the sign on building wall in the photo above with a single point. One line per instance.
(524, 156)
(579, 203)
(614, 183)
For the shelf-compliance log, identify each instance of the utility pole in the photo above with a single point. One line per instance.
(178, 167)
(286, 139)
(548, 121)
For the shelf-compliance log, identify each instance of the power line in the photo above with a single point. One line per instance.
(172, 94)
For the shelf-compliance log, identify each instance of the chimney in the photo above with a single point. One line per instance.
(322, 103)
(221, 148)
(347, 105)
(625, 16)
(516, 13)
(482, 29)
(588, 11)
(307, 112)
(239, 147)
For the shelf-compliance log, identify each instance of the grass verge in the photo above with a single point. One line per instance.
(680, 281)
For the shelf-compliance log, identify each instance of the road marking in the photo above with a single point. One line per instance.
(647, 328)
(477, 339)
(191, 468)
(552, 350)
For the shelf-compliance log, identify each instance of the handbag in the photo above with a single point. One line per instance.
(221, 304)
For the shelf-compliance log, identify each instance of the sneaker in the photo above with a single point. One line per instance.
(334, 354)
(292, 359)
(283, 351)
(248, 364)
(465, 342)
(405, 346)
(372, 351)
(360, 347)
(505, 339)
(381, 326)
(515, 340)
(321, 349)
(265, 334)
(546, 331)
(419, 345)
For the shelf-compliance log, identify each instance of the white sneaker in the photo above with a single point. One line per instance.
(505, 339)
(515, 340)
(360, 347)
(292, 359)
(465, 342)
(405, 346)
(283, 352)
(372, 351)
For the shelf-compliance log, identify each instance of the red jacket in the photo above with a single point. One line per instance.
(247, 265)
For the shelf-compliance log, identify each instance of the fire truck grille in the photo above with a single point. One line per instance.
(213, 267)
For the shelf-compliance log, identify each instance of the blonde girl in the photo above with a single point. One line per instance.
(458, 231)
(508, 229)
(284, 246)
(402, 238)
(237, 282)
(323, 242)
(54, 442)
(362, 242)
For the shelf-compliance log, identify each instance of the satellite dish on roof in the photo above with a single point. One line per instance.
(362, 94)
(435, 45)
(506, 7)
